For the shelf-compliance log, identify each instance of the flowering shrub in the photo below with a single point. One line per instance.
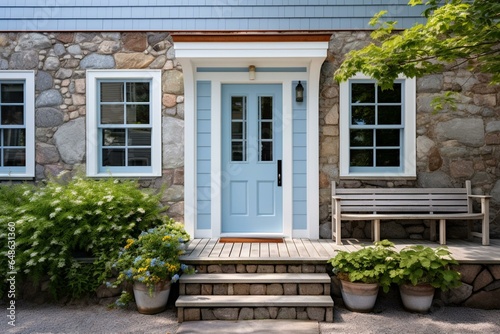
(59, 221)
(153, 257)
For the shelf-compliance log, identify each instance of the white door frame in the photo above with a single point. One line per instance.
(308, 55)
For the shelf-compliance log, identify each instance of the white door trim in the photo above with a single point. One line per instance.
(309, 55)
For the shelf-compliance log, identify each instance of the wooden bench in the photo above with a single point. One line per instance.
(434, 204)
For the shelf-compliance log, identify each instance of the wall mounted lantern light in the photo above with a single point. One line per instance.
(299, 92)
(251, 72)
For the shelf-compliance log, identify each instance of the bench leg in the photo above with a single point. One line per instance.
(376, 229)
(485, 209)
(433, 230)
(336, 223)
(442, 231)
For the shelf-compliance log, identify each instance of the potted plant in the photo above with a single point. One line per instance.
(420, 271)
(362, 272)
(151, 262)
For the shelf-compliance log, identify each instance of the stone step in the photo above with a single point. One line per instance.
(255, 284)
(256, 278)
(192, 308)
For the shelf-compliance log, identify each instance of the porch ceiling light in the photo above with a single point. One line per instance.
(251, 72)
(299, 92)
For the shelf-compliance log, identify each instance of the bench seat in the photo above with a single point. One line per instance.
(434, 204)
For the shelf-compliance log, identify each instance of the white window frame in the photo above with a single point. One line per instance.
(92, 143)
(408, 161)
(29, 122)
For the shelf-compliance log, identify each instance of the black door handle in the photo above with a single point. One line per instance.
(279, 173)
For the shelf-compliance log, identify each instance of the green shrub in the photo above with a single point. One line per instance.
(10, 199)
(367, 264)
(58, 221)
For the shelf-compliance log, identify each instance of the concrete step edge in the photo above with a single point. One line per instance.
(202, 301)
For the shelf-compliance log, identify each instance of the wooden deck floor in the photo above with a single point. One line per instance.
(207, 251)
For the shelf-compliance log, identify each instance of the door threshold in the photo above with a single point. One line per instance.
(249, 240)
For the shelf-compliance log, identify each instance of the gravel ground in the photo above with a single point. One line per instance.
(388, 317)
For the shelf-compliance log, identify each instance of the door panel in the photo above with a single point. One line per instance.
(251, 148)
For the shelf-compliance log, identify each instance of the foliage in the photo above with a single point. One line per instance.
(421, 264)
(457, 32)
(10, 198)
(59, 221)
(366, 265)
(152, 257)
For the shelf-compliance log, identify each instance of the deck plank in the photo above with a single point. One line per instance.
(292, 249)
(273, 250)
(254, 249)
(318, 246)
(236, 250)
(207, 250)
(226, 249)
(301, 248)
(283, 250)
(199, 248)
(264, 249)
(245, 250)
(217, 249)
(310, 248)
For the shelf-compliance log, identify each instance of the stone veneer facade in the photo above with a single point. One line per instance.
(452, 146)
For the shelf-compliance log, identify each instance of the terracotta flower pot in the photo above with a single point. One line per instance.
(417, 298)
(359, 297)
(151, 304)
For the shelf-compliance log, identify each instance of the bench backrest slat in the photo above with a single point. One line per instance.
(404, 200)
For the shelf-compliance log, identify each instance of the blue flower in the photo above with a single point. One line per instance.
(109, 284)
(137, 259)
(153, 262)
(148, 273)
(175, 278)
(128, 273)
(184, 267)
(141, 279)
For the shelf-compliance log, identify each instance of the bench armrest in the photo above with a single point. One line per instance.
(479, 196)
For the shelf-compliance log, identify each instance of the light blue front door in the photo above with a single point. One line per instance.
(251, 159)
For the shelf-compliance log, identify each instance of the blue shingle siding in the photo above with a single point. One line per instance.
(203, 155)
(183, 15)
(300, 162)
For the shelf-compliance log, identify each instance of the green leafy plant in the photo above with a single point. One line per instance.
(366, 265)
(61, 221)
(152, 258)
(419, 264)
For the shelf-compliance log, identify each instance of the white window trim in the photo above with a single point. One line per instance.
(92, 133)
(29, 116)
(409, 145)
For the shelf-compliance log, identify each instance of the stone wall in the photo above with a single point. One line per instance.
(452, 145)
(60, 61)
(480, 287)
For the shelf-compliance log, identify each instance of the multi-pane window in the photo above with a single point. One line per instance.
(125, 123)
(252, 132)
(16, 124)
(266, 128)
(377, 128)
(239, 128)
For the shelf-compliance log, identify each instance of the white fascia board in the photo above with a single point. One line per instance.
(199, 51)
